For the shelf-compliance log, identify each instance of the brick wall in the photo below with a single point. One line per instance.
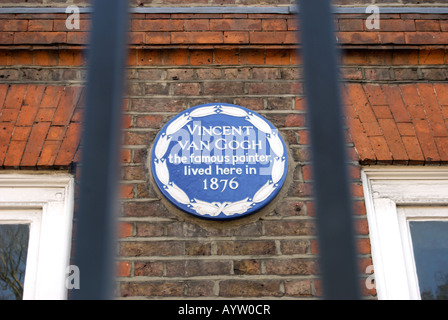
(273, 254)
(180, 3)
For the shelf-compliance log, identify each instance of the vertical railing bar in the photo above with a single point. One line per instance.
(101, 139)
(334, 210)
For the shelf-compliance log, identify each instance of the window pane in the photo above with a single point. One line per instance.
(13, 251)
(430, 242)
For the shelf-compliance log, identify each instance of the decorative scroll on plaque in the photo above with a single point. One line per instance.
(219, 161)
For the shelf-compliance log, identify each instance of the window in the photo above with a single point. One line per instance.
(36, 213)
(407, 211)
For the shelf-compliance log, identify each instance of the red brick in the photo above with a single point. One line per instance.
(46, 57)
(157, 38)
(278, 57)
(6, 130)
(56, 133)
(21, 133)
(300, 103)
(66, 105)
(13, 25)
(360, 103)
(123, 269)
(375, 95)
(406, 129)
(35, 143)
(235, 24)
(382, 152)
(295, 120)
(174, 57)
(49, 153)
(40, 25)
(405, 57)
(351, 24)
(397, 25)
(197, 25)
(426, 140)
(393, 139)
(149, 121)
(148, 268)
(30, 105)
(247, 288)
(361, 225)
(206, 37)
(274, 88)
(382, 112)
(71, 58)
(274, 37)
(413, 149)
(293, 24)
(274, 25)
(443, 25)
(126, 191)
(45, 114)
(157, 25)
(236, 37)
(125, 229)
(396, 105)
(358, 37)
(445, 112)
(6, 38)
(15, 95)
(69, 145)
(162, 57)
(3, 91)
(417, 112)
(137, 38)
(426, 38)
(442, 147)
(40, 37)
(226, 57)
(78, 37)
(152, 288)
(291, 267)
(252, 56)
(427, 25)
(410, 94)
(441, 91)
(9, 115)
(432, 108)
(201, 57)
(372, 128)
(391, 38)
(14, 154)
(51, 96)
(431, 56)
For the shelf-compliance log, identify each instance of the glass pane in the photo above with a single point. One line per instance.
(13, 251)
(430, 242)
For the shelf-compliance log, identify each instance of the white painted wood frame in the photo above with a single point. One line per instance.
(392, 195)
(45, 201)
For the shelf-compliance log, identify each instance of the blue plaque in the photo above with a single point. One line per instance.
(219, 161)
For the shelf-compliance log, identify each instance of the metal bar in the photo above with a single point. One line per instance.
(230, 9)
(96, 214)
(334, 211)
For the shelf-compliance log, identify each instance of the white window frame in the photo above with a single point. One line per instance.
(388, 191)
(45, 201)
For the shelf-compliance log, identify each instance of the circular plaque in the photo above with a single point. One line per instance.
(219, 161)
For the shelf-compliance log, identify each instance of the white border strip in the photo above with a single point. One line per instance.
(230, 9)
